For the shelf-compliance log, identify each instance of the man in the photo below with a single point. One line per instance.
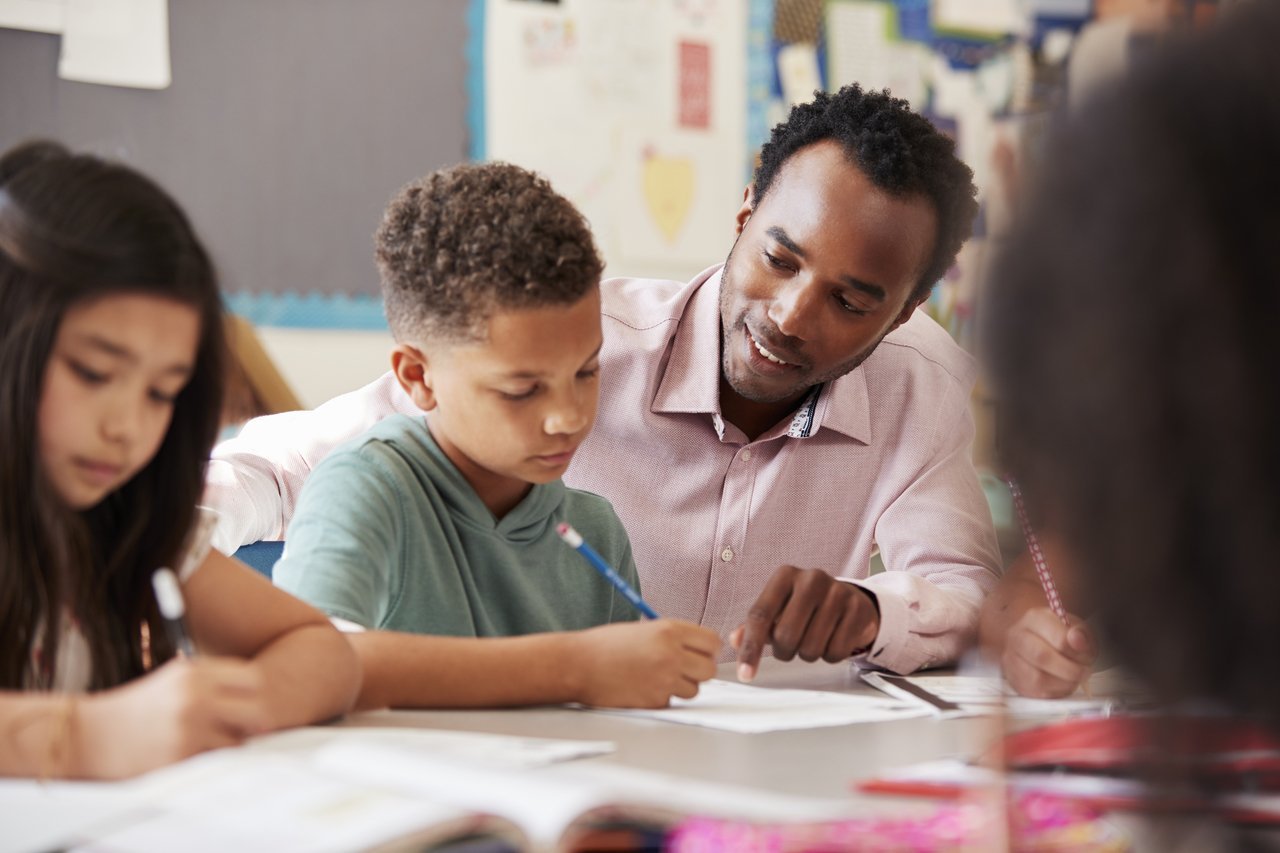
(765, 427)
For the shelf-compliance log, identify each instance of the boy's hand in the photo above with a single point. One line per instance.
(643, 664)
(183, 708)
(805, 613)
(1045, 659)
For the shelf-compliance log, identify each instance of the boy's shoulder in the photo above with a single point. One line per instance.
(594, 517)
(394, 443)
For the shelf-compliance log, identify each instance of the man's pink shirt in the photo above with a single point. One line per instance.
(881, 458)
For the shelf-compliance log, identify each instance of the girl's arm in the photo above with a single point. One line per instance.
(309, 671)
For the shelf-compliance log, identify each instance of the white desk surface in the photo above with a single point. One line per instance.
(805, 762)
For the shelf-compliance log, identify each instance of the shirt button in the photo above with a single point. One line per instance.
(726, 554)
(746, 456)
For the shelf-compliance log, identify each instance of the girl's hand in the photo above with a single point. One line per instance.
(183, 708)
(642, 664)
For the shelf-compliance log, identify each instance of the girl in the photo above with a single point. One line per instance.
(111, 364)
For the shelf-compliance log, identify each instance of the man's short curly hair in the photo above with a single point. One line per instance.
(469, 240)
(899, 150)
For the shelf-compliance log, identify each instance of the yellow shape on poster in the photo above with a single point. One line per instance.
(668, 191)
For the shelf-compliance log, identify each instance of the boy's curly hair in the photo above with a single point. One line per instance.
(465, 241)
(899, 150)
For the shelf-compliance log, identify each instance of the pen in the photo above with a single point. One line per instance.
(1042, 565)
(173, 609)
(574, 539)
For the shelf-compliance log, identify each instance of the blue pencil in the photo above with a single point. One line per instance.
(575, 541)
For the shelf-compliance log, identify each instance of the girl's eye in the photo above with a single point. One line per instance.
(162, 397)
(93, 377)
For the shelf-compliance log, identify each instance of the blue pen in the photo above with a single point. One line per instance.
(575, 541)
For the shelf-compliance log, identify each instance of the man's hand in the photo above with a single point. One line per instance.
(1045, 659)
(805, 612)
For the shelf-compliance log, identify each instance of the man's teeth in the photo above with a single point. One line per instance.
(764, 352)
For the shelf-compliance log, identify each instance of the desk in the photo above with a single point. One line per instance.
(803, 762)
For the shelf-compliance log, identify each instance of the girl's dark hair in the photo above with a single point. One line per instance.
(75, 228)
(1134, 337)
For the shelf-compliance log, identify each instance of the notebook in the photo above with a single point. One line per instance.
(342, 789)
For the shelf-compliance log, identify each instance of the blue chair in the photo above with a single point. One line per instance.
(261, 556)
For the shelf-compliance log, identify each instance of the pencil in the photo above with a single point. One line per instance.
(574, 539)
(1042, 565)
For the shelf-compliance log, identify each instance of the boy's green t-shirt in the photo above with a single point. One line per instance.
(389, 535)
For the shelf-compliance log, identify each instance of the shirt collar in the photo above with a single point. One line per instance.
(691, 381)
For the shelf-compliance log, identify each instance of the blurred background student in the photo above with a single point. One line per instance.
(1133, 341)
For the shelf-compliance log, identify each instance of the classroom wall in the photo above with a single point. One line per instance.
(288, 125)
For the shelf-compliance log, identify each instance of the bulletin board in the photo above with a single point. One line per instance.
(634, 109)
(286, 128)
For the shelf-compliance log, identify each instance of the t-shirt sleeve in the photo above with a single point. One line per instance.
(341, 554)
(600, 525)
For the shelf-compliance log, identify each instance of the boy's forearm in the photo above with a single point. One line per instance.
(311, 674)
(425, 671)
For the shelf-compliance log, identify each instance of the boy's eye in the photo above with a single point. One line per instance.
(590, 373)
(516, 396)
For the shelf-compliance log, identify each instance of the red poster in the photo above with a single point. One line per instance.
(695, 85)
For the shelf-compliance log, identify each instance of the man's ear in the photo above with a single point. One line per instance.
(744, 213)
(412, 369)
(907, 310)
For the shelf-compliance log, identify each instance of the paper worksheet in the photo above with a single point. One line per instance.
(978, 694)
(742, 708)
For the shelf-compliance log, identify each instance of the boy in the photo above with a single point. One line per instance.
(433, 539)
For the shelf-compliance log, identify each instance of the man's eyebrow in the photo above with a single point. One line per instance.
(875, 291)
(777, 233)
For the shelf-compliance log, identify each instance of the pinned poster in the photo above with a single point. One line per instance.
(117, 43)
(668, 191)
(695, 85)
(676, 193)
(41, 16)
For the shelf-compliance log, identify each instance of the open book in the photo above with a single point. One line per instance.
(342, 789)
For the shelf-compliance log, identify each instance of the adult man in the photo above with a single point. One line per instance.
(751, 420)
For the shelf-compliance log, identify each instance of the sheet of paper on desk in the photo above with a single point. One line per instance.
(507, 751)
(980, 694)
(746, 709)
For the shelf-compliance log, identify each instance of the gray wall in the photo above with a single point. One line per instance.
(288, 125)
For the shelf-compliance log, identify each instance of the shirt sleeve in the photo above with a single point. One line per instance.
(199, 543)
(939, 549)
(342, 551)
(255, 479)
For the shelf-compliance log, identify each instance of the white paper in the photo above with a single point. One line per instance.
(42, 16)
(310, 802)
(984, 694)
(742, 708)
(35, 816)
(989, 16)
(117, 43)
(507, 751)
